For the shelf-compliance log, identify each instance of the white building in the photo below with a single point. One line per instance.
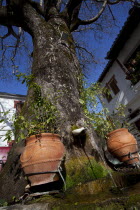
(9, 105)
(122, 73)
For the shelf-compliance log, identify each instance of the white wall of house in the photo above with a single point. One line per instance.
(129, 95)
(7, 104)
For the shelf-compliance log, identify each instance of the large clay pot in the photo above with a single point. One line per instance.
(122, 145)
(42, 157)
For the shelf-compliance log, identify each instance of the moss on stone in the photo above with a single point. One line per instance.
(126, 179)
(83, 169)
(102, 203)
(104, 197)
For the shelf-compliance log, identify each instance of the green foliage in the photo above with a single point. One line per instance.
(3, 121)
(41, 113)
(41, 119)
(83, 170)
(28, 79)
(102, 121)
(3, 203)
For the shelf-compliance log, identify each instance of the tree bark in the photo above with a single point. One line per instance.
(57, 72)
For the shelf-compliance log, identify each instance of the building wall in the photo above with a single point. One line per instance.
(7, 103)
(128, 95)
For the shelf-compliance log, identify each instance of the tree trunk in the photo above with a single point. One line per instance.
(57, 72)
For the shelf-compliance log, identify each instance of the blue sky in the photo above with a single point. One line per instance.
(99, 46)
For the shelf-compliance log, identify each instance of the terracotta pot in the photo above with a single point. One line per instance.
(122, 145)
(42, 157)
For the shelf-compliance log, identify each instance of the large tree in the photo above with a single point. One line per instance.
(55, 67)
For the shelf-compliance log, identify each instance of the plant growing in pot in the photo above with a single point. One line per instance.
(102, 121)
(44, 151)
(121, 144)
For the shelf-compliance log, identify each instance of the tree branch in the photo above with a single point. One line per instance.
(111, 2)
(86, 22)
(71, 12)
(51, 7)
(117, 1)
(37, 7)
(87, 51)
(6, 35)
(58, 5)
(7, 18)
(73, 8)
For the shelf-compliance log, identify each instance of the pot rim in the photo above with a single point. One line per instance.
(43, 134)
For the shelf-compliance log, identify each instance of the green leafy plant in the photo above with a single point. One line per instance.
(3, 203)
(41, 115)
(40, 119)
(102, 120)
(4, 118)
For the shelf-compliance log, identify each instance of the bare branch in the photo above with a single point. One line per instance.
(117, 1)
(51, 7)
(84, 29)
(6, 35)
(37, 7)
(7, 18)
(10, 32)
(85, 22)
(58, 5)
(2, 57)
(73, 8)
(113, 2)
(111, 12)
(72, 11)
(88, 52)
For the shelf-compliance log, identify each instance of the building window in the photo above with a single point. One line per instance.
(109, 97)
(133, 67)
(107, 93)
(18, 106)
(113, 85)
